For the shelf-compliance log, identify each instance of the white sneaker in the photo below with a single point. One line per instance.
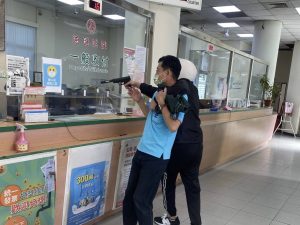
(164, 220)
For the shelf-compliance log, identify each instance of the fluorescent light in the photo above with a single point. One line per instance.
(245, 35)
(71, 2)
(115, 17)
(298, 9)
(227, 9)
(228, 25)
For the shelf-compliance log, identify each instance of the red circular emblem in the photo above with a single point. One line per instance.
(91, 26)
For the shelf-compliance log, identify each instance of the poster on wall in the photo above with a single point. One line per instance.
(18, 74)
(128, 149)
(86, 183)
(52, 74)
(27, 190)
(188, 4)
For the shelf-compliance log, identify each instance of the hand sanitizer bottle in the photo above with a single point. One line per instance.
(22, 143)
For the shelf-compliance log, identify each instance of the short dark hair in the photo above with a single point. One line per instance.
(172, 63)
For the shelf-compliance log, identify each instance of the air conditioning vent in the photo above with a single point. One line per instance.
(276, 5)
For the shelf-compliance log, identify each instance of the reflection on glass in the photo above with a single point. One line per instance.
(238, 83)
(259, 69)
(90, 47)
(212, 63)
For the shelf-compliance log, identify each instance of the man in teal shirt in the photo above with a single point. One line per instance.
(154, 149)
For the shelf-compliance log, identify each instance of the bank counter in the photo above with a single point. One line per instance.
(85, 161)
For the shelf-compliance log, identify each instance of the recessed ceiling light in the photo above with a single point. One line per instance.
(227, 9)
(71, 2)
(245, 35)
(114, 17)
(228, 25)
(298, 9)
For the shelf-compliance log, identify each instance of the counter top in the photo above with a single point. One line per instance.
(79, 120)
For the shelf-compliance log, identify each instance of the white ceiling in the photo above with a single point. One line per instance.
(206, 20)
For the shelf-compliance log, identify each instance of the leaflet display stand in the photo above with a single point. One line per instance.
(286, 118)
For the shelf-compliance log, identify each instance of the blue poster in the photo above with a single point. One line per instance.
(87, 193)
(52, 75)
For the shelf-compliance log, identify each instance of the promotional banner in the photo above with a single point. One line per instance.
(86, 184)
(27, 191)
(128, 149)
(52, 74)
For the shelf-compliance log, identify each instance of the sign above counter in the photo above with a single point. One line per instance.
(187, 4)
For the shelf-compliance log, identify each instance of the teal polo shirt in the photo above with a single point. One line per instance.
(157, 139)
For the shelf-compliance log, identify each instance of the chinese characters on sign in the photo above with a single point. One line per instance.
(89, 42)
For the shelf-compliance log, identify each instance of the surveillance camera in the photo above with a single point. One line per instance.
(226, 34)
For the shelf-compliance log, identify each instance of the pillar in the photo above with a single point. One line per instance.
(266, 44)
(292, 94)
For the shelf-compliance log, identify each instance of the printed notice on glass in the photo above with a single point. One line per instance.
(140, 58)
(52, 74)
(140, 64)
(129, 56)
(18, 70)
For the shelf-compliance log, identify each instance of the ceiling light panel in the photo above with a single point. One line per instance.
(245, 35)
(227, 9)
(115, 17)
(226, 25)
(71, 2)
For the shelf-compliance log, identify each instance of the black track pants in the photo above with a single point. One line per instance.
(185, 160)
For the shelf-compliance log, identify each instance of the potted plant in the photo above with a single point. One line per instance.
(275, 92)
(265, 85)
(270, 92)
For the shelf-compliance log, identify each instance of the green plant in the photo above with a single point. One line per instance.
(274, 92)
(265, 85)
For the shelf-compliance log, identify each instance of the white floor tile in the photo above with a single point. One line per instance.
(244, 218)
(288, 218)
(262, 189)
(260, 210)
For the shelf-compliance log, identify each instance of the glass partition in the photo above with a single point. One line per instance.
(259, 69)
(91, 49)
(239, 80)
(212, 63)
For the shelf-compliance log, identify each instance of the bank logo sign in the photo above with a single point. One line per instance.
(188, 4)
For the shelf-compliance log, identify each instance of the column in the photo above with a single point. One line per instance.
(165, 33)
(293, 86)
(266, 44)
(165, 30)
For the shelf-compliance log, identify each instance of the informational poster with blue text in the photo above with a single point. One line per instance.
(87, 193)
(86, 183)
(52, 74)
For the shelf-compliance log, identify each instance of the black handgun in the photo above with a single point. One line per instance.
(121, 80)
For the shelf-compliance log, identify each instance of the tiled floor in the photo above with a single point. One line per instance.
(262, 189)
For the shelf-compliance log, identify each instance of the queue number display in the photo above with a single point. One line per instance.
(93, 6)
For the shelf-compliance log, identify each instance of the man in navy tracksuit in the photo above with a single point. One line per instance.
(186, 152)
